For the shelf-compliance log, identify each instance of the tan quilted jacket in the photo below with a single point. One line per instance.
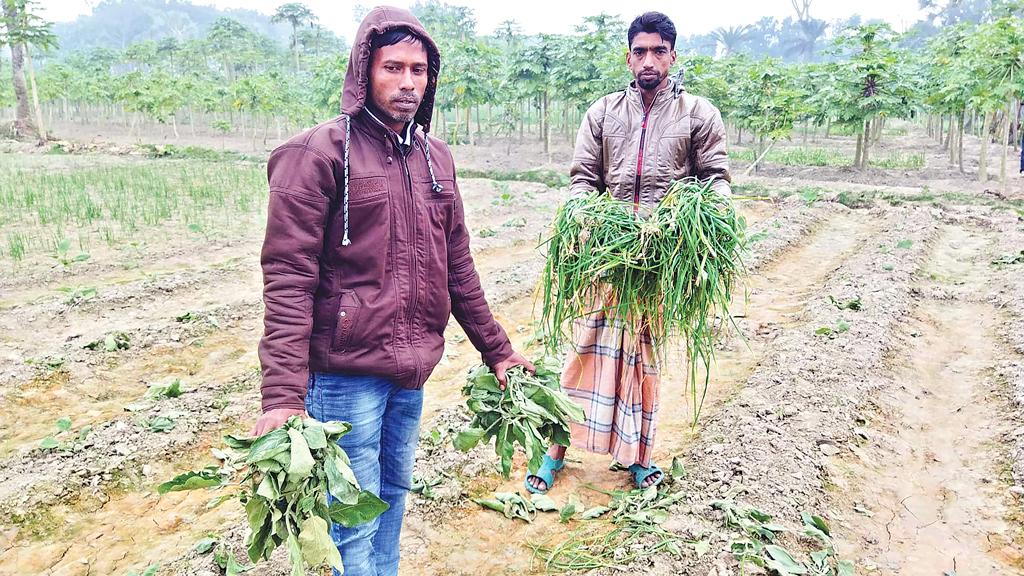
(681, 135)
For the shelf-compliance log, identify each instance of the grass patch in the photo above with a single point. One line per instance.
(899, 160)
(40, 208)
(549, 178)
(798, 156)
(866, 198)
(170, 151)
(801, 156)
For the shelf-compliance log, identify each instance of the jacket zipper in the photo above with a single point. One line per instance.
(640, 160)
(413, 278)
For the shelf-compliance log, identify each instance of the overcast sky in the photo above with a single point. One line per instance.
(535, 16)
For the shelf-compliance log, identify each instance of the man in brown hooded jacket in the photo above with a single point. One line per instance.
(366, 255)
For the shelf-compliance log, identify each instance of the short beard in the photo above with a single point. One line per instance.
(649, 84)
(398, 118)
(403, 117)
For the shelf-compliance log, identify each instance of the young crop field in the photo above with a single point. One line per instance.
(863, 349)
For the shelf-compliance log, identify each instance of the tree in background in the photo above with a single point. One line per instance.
(22, 30)
(297, 15)
(996, 51)
(767, 103)
(731, 40)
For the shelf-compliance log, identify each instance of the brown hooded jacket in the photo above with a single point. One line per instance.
(367, 252)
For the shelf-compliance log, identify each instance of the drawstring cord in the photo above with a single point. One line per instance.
(437, 188)
(434, 185)
(348, 138)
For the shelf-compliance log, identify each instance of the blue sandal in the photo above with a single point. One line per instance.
(641, 474)
(546, 473)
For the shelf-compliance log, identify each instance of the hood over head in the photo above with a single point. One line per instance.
(357, 80)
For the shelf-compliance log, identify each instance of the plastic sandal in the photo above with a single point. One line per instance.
(546, 472)
(641, 474)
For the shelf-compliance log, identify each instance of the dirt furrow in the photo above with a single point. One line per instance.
(770, 444)
(927, 483)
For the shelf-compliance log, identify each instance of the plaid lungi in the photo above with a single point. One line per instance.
(612, 373)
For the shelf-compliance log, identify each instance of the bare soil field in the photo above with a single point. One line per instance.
(897, 421)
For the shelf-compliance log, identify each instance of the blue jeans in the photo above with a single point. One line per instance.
(385, 422)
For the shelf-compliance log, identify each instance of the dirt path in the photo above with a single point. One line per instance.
(932, 496)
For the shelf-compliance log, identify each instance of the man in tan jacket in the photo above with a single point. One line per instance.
(633, 144)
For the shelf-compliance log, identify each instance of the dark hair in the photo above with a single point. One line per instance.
(653, 23)
(394, 36)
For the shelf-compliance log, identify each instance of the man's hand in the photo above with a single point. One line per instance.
(274, 419)
(516, 359)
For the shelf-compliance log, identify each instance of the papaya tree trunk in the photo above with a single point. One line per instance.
(547, 124)
(23, 125)
(757, 161)
(35, 94)
(983, 159)
(960, 142)
(1006, 141)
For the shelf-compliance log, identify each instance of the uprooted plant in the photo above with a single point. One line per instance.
(286, 476)
(668, 273)
(531, 411)
(636, 517)
(758, 544)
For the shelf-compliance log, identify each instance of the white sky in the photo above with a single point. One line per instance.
(535, 16)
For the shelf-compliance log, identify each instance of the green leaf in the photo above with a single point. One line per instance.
(49, 443)
(823, 331)
(367, 508)
(544, 503)
(314, 434)
(302, 461)
(678, 471)
(268, 488)
(820, 557)
(316, 544)
(817, 522)
(205, 545)
(261, 526)
(159, 424)
(341, 481)
(567, 512)
(467, 439)
(846, 568)
(495, 505)
(904, 244)
(218, 500)
(780, 560)
(267, 446)
(335, 429)
(701, 547)
(232, 567)
(190, 481)
(64, 424)
(238, 442)
(595, 512)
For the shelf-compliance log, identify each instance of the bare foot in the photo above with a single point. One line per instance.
(650, 480)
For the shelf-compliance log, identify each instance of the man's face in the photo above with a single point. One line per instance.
(649, 59)
(398, 79)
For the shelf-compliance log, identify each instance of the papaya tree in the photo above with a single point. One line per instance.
(767, 104)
